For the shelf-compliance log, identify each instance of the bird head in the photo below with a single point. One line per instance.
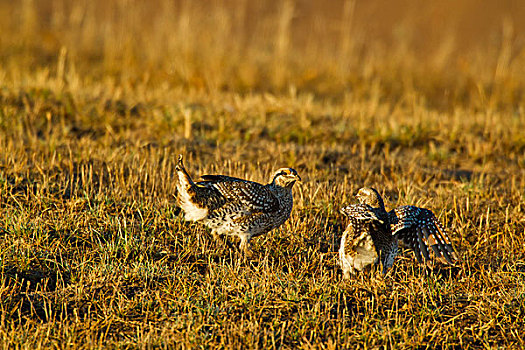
(370, 196)
(285, 177)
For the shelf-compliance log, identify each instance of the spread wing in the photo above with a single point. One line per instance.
(254, 196)
(420, 229)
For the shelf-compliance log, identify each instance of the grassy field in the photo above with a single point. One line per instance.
(425, 102)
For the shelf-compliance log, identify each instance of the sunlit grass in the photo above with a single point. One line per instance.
(97, 101)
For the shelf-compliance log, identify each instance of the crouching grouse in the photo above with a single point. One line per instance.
(372, 234)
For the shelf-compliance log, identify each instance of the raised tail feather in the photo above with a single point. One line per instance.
(184, 178)
(186, 192)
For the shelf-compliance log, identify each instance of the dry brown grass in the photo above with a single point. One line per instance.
(97, 99)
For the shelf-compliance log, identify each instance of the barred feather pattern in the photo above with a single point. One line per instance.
(369, 221)
(366, 240)
(233, 206)
(420, 230)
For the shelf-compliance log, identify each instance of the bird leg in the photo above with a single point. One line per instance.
(222, 239)
(348, 273)
(245, 246)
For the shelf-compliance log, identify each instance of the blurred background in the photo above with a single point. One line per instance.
(450, 51)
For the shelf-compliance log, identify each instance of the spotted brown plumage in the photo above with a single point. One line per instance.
(233, 206)
(366, 240)
(372, 234)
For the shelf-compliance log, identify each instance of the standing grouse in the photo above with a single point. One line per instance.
(232, 206)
